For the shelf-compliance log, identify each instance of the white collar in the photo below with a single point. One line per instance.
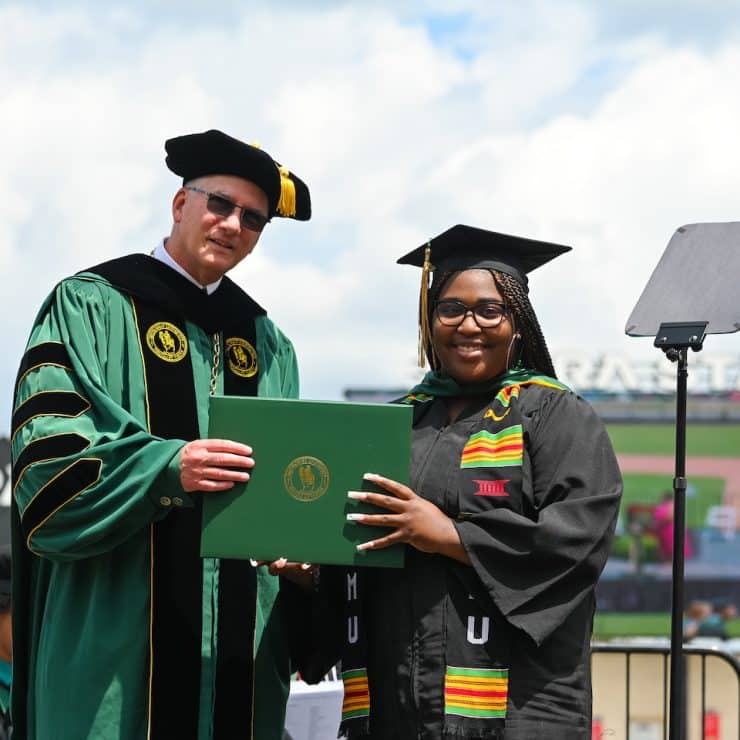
(160, 253)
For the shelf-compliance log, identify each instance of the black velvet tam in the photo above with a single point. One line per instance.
(216, 153)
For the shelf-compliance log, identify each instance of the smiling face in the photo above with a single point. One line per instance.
(208, 245)
(466, 352)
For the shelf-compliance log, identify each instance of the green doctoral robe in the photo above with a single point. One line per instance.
(121, 630)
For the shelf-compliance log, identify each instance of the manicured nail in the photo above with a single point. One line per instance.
(359, 495)
(354, 517)
(253, 562)
(305, 566)
(366, 545)
(371, 476)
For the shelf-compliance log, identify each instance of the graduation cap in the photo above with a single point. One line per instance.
(216, 153)
(467, 247)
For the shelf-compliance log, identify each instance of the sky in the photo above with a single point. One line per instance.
(604, 126)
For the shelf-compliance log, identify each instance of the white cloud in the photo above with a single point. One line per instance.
(398, 135)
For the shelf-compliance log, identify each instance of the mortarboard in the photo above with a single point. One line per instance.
(216, 153)
(467, 247)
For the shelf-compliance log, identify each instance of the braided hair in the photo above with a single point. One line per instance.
(532, 352)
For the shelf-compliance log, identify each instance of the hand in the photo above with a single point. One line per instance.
(208, 464)
(415, 520)
(299, 573)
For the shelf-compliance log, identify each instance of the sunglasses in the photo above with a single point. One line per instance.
(221, 206)
(487, 314)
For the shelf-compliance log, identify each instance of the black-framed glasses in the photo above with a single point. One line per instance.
(222, 206)
(487, 314)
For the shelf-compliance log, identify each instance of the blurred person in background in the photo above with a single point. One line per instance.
(6, 640)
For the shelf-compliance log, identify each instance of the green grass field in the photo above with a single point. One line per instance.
(609, 625)
(713, 440)
(659, 439)
(648, 489)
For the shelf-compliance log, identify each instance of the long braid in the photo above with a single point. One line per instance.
(534, 352)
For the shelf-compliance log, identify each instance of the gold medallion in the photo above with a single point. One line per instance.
(167, 341)
(306, 478)
(242, 357)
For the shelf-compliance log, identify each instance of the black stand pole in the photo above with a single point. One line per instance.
(679, 532)
(675, 339)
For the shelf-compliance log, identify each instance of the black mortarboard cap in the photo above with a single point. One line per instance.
(216, 153)
(466, 247)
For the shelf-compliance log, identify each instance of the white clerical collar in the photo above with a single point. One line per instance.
(161, 254)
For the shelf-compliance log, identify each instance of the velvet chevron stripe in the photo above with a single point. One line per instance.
(48, 448)
(356, 694)
(46, 353)
(62, 488)
(476, 692)
(49, 403)
(486, 450)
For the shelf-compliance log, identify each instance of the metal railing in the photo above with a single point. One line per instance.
(631, 692)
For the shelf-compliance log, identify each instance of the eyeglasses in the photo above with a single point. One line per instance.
(487, 314)
(221, 206)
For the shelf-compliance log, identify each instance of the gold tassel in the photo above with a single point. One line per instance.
(286, 204)
(425, 331)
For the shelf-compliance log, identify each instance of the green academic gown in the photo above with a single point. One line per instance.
(121, 630)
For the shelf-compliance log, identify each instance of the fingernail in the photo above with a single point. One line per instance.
(282, 560)
(365, 546)
(253, 562)
(305, 566)
(371, 476)
(359, 495)
(354, 517)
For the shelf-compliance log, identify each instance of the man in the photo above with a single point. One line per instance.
(121, 629)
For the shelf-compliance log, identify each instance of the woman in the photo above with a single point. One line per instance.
(513, 497)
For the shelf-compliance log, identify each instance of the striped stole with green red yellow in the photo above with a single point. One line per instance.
(486, 450)
(476, 692)
(504, 448)
(356, 694)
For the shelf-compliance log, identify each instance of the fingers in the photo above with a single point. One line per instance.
(377, 520)
(276, 566)
(381, 543)
(378, 499)
(397, 489)
(222, 474)
(227, 445)
(214, 464)
(227, 459)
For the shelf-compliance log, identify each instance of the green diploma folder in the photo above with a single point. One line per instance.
(307, 455)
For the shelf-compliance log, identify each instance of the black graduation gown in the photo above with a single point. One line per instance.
(538, 532)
